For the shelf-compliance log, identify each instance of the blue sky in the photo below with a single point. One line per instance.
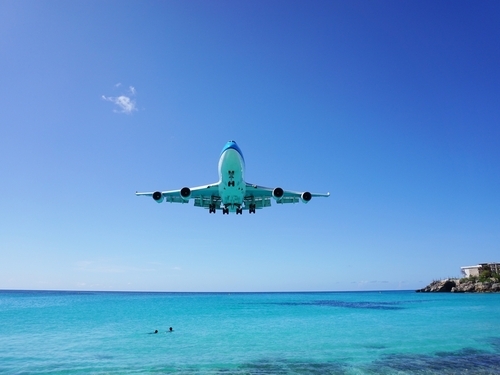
(393, 107)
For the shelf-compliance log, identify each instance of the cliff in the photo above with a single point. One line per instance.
(462, 286)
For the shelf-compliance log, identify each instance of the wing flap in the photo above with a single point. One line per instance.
(205, 201)
(289, 199)
(259, 202)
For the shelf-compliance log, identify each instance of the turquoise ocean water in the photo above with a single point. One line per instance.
(249, 333)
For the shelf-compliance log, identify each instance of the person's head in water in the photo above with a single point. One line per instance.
(170, 329)
(156, 331)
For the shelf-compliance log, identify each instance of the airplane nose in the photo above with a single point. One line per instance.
(232, 145)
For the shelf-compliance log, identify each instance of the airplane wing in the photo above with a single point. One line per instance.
(256, 197)
(260, 196)
(203, 195)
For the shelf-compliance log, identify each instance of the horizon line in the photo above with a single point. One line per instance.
(201, 292)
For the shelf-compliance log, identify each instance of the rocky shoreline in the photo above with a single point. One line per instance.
(461, 286)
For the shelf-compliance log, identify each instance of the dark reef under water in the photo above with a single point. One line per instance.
(349, 305)
(465, 361)
(461, 362)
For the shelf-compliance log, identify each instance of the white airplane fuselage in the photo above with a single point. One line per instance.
(232, 186)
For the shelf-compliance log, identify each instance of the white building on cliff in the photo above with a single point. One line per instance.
(468, 271)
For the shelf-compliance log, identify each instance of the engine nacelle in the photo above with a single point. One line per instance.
(186, 193)
(278, 193)
(158, 196)
(305, 196)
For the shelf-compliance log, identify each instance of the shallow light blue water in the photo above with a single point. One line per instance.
(249, 333)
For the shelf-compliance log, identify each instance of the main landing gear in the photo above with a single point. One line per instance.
(225, 210)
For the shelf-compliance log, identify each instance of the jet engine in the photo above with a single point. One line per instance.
(305, 196)
(278, 193)
(186, 193)
(158, 196)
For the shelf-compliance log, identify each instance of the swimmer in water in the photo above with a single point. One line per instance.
(171, 329)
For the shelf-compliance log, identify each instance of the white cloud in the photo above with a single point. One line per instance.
(125, 103)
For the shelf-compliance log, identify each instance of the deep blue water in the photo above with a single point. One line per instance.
(249, 333)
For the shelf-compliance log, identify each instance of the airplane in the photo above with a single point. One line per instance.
(231, 193)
